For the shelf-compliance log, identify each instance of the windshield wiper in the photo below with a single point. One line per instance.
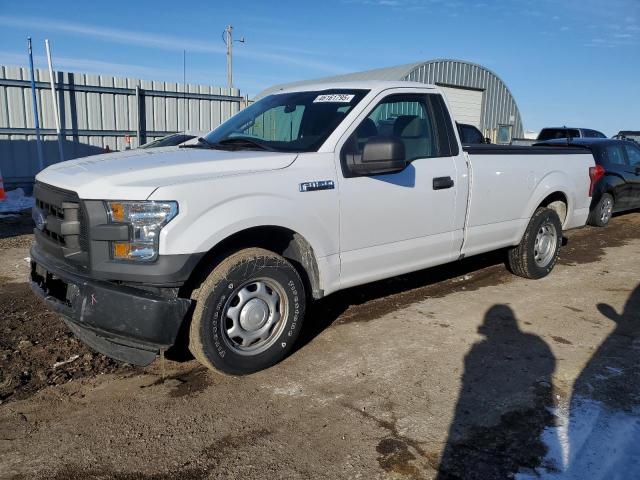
(243, 141)
(202, 143)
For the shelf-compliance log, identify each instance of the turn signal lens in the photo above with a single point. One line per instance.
(117, 212)
(121, 250)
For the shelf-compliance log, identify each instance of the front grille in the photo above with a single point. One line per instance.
(51, 212)
(84, 230)
(65, 229)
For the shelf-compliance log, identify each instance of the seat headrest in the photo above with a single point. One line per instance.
(408, 126)
(367, 129)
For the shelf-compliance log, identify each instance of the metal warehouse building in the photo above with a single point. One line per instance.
(476, 94)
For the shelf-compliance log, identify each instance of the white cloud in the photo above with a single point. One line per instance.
(165, 42)
(84, 65)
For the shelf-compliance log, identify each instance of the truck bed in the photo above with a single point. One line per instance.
(520, 150)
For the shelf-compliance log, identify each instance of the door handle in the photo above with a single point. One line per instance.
(440, 183)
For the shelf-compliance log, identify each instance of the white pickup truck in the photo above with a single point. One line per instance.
(311, 190)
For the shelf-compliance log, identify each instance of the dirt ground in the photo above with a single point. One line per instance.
(461, 371)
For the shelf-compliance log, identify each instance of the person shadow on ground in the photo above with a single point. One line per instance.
(504, 403)
(603, 435)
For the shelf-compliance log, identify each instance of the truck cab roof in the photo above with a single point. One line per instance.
(374, 86)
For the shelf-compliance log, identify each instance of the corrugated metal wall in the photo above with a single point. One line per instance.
(97, 112)
(499, 107)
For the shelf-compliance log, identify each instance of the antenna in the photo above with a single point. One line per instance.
(184, 89)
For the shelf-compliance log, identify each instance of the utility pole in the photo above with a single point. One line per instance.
(227, 37)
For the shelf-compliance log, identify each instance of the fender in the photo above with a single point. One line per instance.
(220, 221)
(204, 230)
(553, 182)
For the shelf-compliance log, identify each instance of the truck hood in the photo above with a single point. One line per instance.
(135, 174)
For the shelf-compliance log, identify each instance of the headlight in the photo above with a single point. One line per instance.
(146, 220)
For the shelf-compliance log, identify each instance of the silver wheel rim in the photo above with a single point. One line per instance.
(606, 210)
(545, 245)
(254, 316)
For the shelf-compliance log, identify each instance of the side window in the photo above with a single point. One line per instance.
(572, 133)
(614, 156)
(470, 135)
(593, 134)
(633, 154)
(505, 134)
(407, 117)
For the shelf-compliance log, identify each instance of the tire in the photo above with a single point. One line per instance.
(602, 212)
(537, 253)
(248, 313)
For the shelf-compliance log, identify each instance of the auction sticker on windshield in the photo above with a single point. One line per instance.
(334, 98)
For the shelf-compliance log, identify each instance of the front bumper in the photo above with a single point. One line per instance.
(120, 321)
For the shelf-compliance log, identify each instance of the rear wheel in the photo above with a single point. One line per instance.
(248, 313)
(602, 212)
(538, 251)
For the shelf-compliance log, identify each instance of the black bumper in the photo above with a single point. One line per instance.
(122, 322)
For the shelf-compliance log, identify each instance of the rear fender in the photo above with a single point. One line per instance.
(553, 182)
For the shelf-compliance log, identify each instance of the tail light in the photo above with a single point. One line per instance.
(595, 174)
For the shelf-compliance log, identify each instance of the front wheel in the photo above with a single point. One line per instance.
(538, 251)
(602, 212)
(248, 313)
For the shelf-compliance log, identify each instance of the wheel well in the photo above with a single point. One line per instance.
(558, 202)
(283, 241)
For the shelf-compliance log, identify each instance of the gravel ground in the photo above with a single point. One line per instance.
(455, 372)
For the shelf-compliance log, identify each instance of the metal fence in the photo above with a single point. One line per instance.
(97, 113)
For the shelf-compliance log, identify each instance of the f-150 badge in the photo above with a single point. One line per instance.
(319, 185)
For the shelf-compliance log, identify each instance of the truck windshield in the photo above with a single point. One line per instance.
(286, 122)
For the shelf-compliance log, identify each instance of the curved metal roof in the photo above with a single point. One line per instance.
(398, 72)
(499, 106)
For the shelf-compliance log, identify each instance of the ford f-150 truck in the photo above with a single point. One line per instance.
(223, 242)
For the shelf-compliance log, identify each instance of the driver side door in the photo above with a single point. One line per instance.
(403, 221)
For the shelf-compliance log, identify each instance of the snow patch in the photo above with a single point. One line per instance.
(590, 442)
(16, 201)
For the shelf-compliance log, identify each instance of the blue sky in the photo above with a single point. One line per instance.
(571, 62)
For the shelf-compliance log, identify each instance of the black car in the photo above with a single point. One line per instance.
(617, 173)
(470, 134)
(568, 132)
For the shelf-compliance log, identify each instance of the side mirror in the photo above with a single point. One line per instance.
(487, 140)
(637, 169)
(380, 155)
